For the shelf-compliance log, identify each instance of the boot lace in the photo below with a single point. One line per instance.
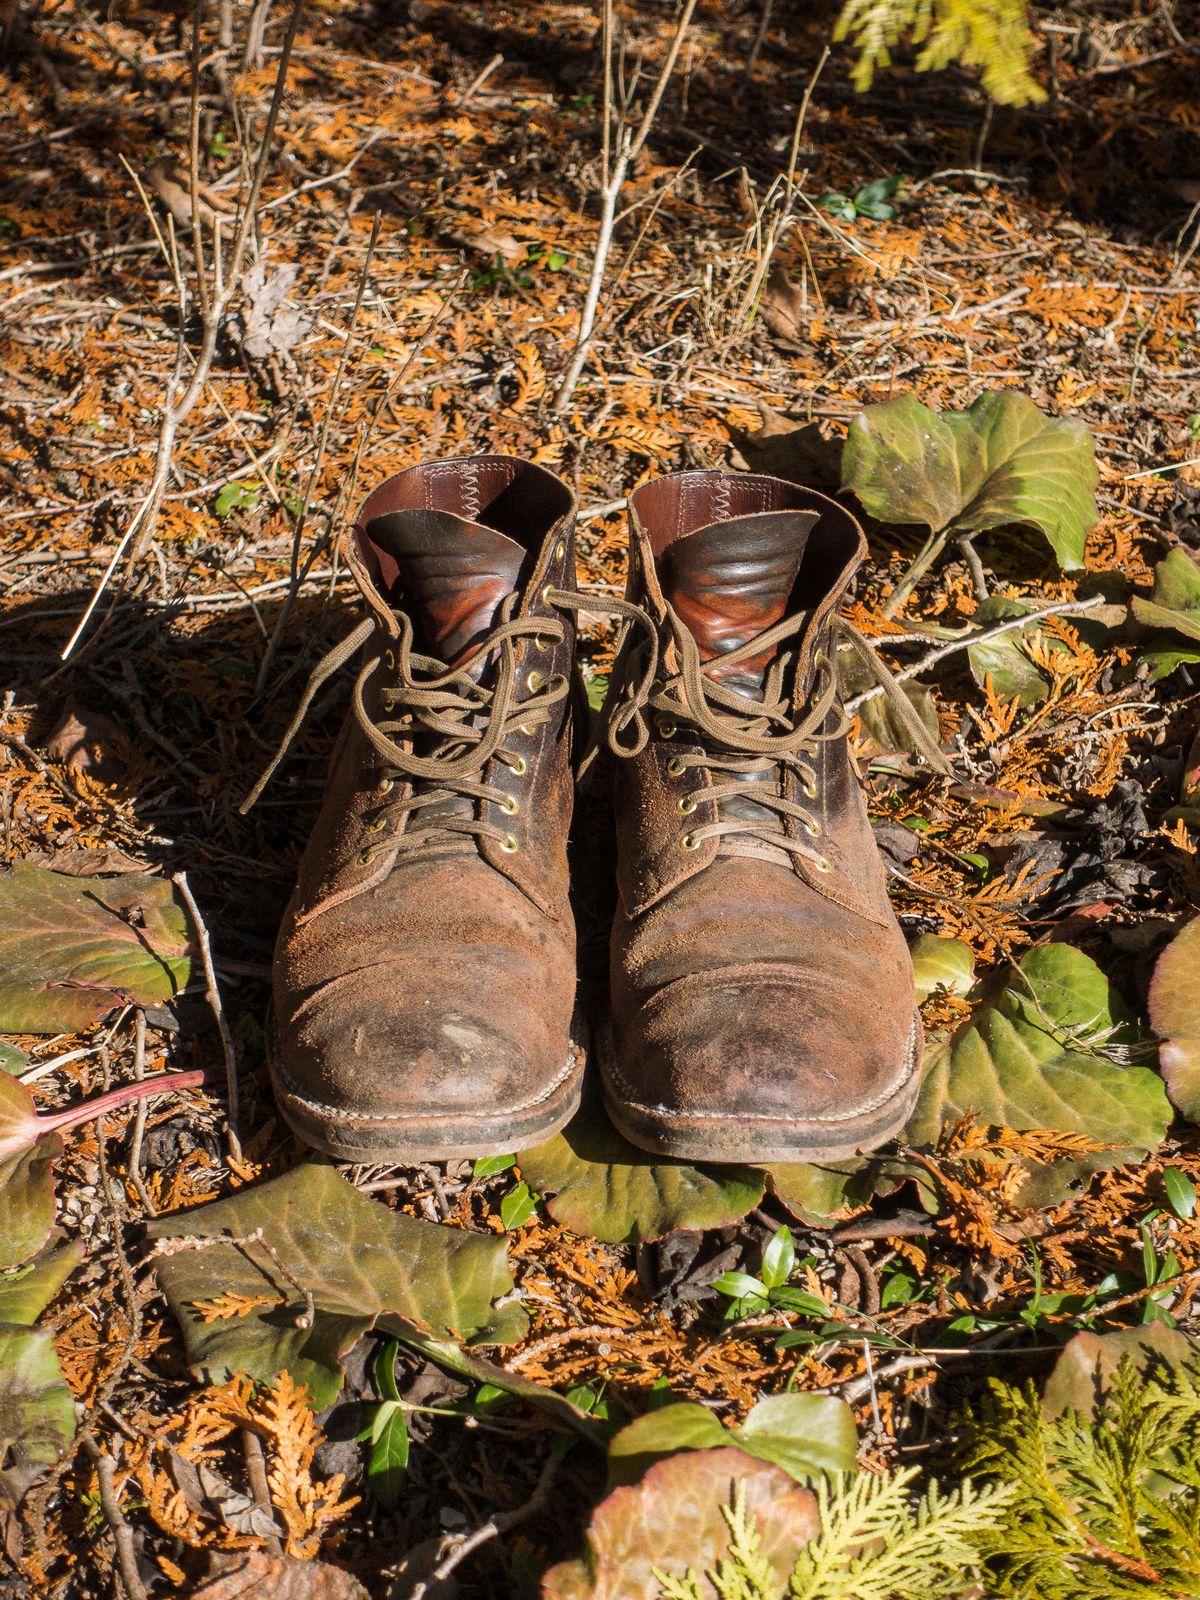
(459, 723)
(749, 740)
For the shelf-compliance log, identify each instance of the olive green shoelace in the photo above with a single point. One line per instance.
(459, 722)
(746, 736)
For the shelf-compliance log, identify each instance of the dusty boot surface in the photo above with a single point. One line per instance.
(763, 1004)
(425, 970)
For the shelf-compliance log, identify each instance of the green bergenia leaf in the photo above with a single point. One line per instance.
(599, 1184)
(1033, 1057)
(37, 1414)
(364, 1265)
(1175, 1017)
(805, 1434)
(1174, 601)
(73, 948)
(999, 463)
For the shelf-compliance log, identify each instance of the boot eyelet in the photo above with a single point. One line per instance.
(509, 806)
(363, 857)
(545, 595)
(560, 550)
(519, 767)
(811, 827)
(541, 641)
(389, 660)
(689, 842)
(808, 787)
(376, 824)
(822, 865)
(534, 681)
(510, 844)
(687, 805)
(675, 768)
(528, 730)
(384, 786)
(666, 728)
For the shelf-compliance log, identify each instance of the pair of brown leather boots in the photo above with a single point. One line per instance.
(762, 993)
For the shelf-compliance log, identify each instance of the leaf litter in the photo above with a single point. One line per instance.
(1051, 886)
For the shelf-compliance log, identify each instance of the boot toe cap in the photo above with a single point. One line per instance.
(766, 1063)
(411, 1041)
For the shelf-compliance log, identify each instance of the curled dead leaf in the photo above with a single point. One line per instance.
(88, 741)
(254, 1575)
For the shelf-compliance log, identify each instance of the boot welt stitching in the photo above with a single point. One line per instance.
(335, 1113)
(668, 1114)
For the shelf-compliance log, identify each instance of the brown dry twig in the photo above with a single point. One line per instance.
(212, 993)
(621, 147)
(214, 299)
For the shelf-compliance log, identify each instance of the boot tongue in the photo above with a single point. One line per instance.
(733, 580)
(452, 576)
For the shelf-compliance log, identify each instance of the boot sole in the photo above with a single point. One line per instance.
(407, 1139)
(736, 1140)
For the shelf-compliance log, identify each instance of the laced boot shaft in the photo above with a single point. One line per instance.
(752, 894)
(425, 970)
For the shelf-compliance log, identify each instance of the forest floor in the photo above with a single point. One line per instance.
(1048, 250)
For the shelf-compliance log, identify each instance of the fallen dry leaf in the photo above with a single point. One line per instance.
(254, 1575)
(88, 741)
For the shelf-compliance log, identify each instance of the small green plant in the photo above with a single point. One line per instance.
(218, 147)
(770, 1291)
(1103, 1504)
(517, 1206)
(1042, 1309)
(387, 1432)
(874, 201)
(520, 1203)
(1181, 1193)
(875, 1543)
(513, 277)
(500, 275)
(548, 256)
(238, 495)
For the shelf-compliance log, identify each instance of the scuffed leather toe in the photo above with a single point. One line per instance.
(415, 1041)
(762, 1064)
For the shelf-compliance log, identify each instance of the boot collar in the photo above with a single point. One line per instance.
(505, 519)
(762, 531)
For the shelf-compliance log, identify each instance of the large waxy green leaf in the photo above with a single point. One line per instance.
(999, 463)
(945, 964)
(364, 1265)
(601, 1185)
(817, 1194)
(1175, 599)
(73, 948)
(12, 1059)
(884, 729)
(805, 1434)
(671, 1521)
(37, 1414)
(27, 1200)
(26, 1293)
(1004, 657)
(1030, 1058)
(1162, 663)
(1175, 1017)
(1089, 1362)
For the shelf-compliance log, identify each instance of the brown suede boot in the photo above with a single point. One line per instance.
(763, 1004)
(425, 971)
